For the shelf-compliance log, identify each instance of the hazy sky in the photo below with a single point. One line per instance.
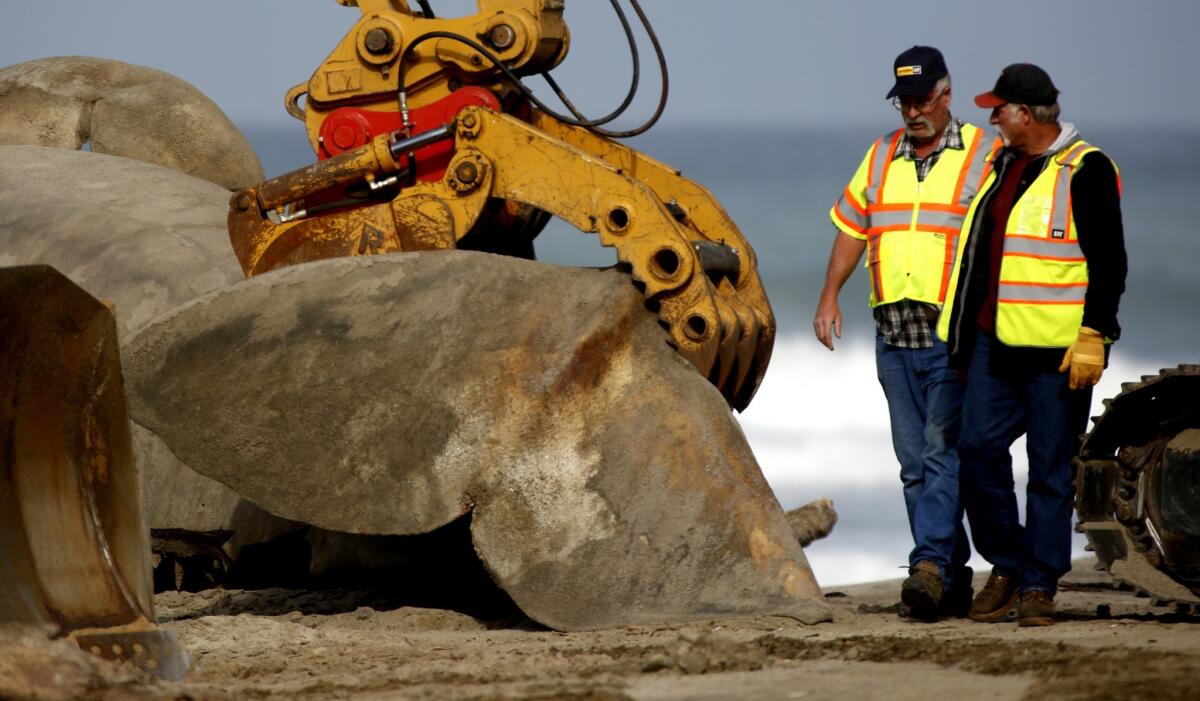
(781, 61)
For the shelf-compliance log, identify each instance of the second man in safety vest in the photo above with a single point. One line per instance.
(904, 207)
(1031, 310)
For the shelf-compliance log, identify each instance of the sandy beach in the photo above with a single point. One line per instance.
(339, 644)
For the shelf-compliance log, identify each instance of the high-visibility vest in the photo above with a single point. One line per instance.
(911, 227)
(1043, 272)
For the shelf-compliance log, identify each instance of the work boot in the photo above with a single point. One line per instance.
(1037, 608)
(957, 601)
(996, 600)
(922, 591)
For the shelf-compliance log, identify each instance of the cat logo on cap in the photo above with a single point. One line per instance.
(908, 70)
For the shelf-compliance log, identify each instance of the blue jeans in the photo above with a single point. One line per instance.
(924, 399)
(1001, 404)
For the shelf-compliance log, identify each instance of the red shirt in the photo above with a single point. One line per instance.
(1002, 204)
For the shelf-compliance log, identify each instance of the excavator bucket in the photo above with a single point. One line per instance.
(74, 550)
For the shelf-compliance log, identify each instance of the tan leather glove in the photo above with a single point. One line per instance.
(1085, 358)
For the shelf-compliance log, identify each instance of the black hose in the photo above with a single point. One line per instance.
(576, 118)
(662, 65)
(426, 10)
(633, 83)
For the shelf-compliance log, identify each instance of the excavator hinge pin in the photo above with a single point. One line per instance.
(378, 41)
(502, 36)
(467, 172)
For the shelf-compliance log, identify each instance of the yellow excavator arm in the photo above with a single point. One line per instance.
(468, 156)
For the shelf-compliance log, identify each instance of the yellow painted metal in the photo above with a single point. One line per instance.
(653, 216)
(706, 220)
(361, 70)
(725, 329)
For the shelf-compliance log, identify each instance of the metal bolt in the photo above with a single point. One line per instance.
(379, 41)
(468, 121)
(502, 36)
(242, 203)
(476, 59)
(466, 172)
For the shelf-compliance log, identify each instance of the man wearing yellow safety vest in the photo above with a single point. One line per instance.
(1031, 308)
(904, 207)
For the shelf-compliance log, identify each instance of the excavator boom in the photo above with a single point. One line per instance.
(457, 153)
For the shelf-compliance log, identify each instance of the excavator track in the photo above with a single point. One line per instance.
(1138, 487)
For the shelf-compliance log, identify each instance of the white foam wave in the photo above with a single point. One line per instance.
(820, 417)
(819, 427)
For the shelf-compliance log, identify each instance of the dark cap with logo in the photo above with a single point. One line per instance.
(1021, 84)
(917, 70)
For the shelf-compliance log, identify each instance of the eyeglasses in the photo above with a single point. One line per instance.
(902, 104)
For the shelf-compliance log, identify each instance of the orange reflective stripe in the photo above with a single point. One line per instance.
(1055, 205)
(997, 144)
(1027, 283)
(987, 170)
(874, 266)
(1026, 292)
(1042, 248)
(880, 158)
(962, 176)
(930, 228)
(1035, 256)
(1069, 156)
(1038, 301)
(837, 212)
(958, 209)
(848, 197)
(951, 245)
(887, 161)
(871, 168)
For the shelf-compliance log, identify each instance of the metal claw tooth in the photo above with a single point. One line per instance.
(731, 333)
(746, 344)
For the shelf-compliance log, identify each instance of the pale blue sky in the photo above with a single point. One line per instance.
(778, 61)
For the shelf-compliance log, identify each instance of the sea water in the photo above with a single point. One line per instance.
(819, 424)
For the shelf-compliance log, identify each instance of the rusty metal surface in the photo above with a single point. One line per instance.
(1138, 486)
(74, 550)
(608, 483)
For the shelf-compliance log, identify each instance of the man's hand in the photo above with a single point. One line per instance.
(828, 321)
(1085, 359)
(844, 257)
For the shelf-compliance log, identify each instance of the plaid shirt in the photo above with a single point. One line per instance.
(951, 138)
(907, 323)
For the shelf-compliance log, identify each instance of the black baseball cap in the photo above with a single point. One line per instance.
(916, 71)
(1022, 84)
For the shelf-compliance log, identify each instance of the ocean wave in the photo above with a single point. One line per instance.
(820, 417)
